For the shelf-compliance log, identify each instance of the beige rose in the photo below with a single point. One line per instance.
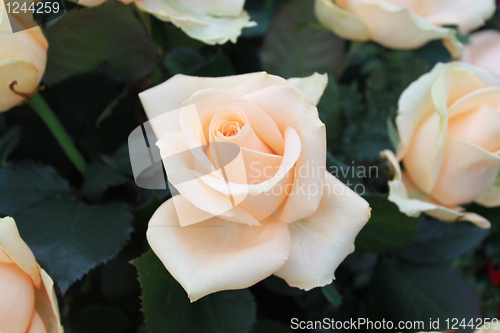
(483, 50)
(271, 207)
(212, 22)
(404, 24)
(28, 303)
(449, 127)
(22, 59)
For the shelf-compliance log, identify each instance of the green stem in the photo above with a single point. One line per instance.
(354, 47)
(50, 119)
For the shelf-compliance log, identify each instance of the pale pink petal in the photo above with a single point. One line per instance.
(467, 15)
(480, 127)
(484, 50)
(37, 325)
(17, 299)
(467, 172)
(412, 201)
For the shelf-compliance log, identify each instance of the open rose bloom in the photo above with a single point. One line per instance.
(246, 155)
(404, 24)
(449, 127)
(28, 303)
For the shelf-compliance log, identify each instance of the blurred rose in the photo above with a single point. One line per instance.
(449, 126)
(404, 24)
(22, 59)
(247, 154)
(27, 300)
(212, 22)
(484, 50)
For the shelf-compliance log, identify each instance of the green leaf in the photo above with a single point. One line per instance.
(167, 308)
(70, 237)
(437, 241)
(98, 178)
(332, 295)
(85, 39)
(217, 65)
(112, 106)
(388, 229)
(293, 48)
(22, 185)
(74, 94)
(392, 132)
(164, 302)
(187, 61)
(100, 318)
(119, 160)
(182, 60)
(223, 312)
(403, 292)
(9, 142)
(330, 110)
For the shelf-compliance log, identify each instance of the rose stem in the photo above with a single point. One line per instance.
(50, 119)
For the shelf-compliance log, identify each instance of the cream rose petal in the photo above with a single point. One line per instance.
(178, 160)
(414, 105)
(163, 103)
(207, 27)
(413, 31)
(321, 241)
(423, 147)
(216, 254)
(491, 198)
(47, 303)
(313, 86)
(290, 109)
(340, 21)
(418, 202)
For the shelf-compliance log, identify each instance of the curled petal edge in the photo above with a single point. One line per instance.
(417, 202)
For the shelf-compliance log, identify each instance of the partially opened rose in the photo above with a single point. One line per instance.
(212, 22)
(404, 24)
(449, 127)
(23, 57)
(247, 156)
(28, 303)
(484, 50)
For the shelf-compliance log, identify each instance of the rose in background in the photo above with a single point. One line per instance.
(28, 303)
(23, 56)
(273, 209)
(212, 22)
(449, 127)
(484, 50)
(403, 24)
